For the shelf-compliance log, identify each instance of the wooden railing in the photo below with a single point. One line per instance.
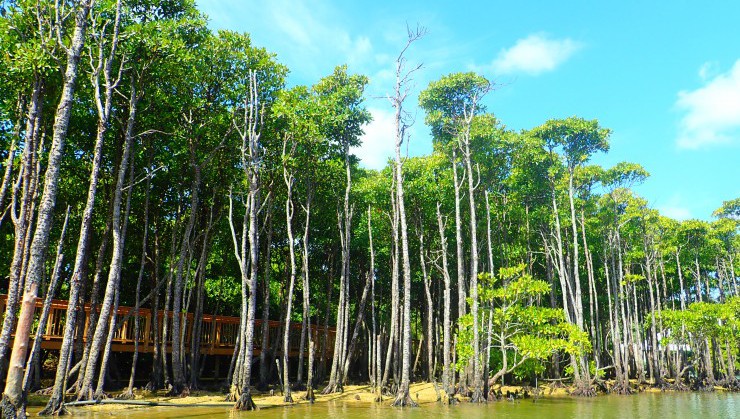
(218, 333)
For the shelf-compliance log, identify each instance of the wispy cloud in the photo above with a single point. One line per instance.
(711, 112)
(675, 212)
(308, 35)
(536, 54)
(378, 140)
(676, 207)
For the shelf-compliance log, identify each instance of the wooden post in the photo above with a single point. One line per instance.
(147, 329)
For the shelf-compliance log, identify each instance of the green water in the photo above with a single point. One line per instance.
(651, 406)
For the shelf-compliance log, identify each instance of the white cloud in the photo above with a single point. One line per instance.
(534, 55)
(377, 142)
(309, 36)
(708, 70)
(711, 112)
(675, 212)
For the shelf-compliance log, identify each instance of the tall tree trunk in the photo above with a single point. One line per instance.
(447, 377)
(476, 364)
(461, 294)
(430, 310)
(114, 274)
(393, 337)
(197, 328)
(265, 360)
(289, 209)
(356, 331)
(113, 326)
(129, 393)
(44, 317)
(345, 220)
(307, 293)
(13, 403)
(20, 220)
(253, 113)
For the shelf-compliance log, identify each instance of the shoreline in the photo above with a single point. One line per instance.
(422, 393)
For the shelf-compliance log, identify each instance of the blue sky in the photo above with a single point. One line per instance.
(664, 76)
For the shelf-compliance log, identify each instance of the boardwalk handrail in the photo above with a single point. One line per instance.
(218, 333)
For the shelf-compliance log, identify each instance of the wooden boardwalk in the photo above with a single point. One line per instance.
(218, 333)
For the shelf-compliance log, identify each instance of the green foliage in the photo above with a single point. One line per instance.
(525, 331)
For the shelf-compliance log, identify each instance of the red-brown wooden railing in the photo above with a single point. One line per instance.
(218, 333)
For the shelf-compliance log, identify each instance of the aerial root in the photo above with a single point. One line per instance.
(126, 395)
(245, 402)
(310, 396)
(404, 400)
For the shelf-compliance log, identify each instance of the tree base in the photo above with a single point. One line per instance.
(288, 398)
(179, 391)
(12, 410)
(477, 396)
(583, 390)
(245, 402)
(310, 396)
(731, 384)
(333, 388)
(234, 394)
(622, 388)
(404, 400)
(126, 395)
(152, 386)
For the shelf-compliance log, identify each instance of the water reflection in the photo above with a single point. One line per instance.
(655, 405)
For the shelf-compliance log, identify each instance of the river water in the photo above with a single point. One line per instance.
(647, 405)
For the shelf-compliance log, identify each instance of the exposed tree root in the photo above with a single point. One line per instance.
(288, 398)
(151, 386)
(390, 390)
(404, 400)
(126, 395)
(45, 391)
(583, 389)
(310, 396)
(234, 394)
(245, 402)
(621, 387)
(333, 388)
(731, 384)
(477, 396)
(54, 408)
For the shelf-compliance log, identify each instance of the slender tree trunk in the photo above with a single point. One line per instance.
(336, 377)
(114, 318)
(13, 403)
(129, 393)
(253, 113)
(44, 317)
(178, 374)
(114, 274)
(265, 360)
(25, 176)
(394, 290)
(476, 364)
(197, 328)
(461, 294)
(356, 332)
(430, 310)
(307, 294)
(447, 371)
(289, 209)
